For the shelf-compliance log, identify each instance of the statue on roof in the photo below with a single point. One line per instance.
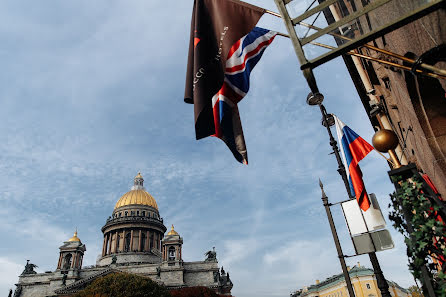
(29, 268)
(211, 256)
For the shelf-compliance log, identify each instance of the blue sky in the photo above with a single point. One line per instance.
(92, 92)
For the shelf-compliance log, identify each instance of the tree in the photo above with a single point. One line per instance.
(415, 291)
(123, 285)
(194, 292)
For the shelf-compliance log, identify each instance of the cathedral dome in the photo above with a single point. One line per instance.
(140, 197)
(137, 195)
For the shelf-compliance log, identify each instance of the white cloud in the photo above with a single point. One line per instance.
(9, 271)
(92, 93)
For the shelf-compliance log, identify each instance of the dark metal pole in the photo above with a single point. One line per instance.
(337, 243)
(334, 145)
(380, 279)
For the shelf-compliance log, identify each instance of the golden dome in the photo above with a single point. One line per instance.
(74, 238)
(139, 196)
(172, 232)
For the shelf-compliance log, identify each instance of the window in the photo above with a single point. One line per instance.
(368, 286)
(126, 213)
(137, 213)
(67, 262)
(143, 213)
(127, 242)
(132, 213)
(143, 241)
(171, 253)
(120, 214)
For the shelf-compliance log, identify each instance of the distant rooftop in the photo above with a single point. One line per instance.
(339, 278)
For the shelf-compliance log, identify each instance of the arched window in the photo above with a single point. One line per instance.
(171, 253)
(143, 213)
(127, 242)
(126, 213)
(67, 261)
(143, 241)
(132, 213)
(137, 213)
(120, 214)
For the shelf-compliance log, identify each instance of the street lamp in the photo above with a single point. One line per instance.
(327, 122)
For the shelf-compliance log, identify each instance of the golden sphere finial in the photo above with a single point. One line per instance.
(385, 140)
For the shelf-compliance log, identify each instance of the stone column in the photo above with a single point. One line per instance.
(139, 243)
(107, 252)
(155, 238)
(123, 241)
(177, 253)
(104, 245)
(131, 240)
(115, 235)
(73, 261)
(59, 262)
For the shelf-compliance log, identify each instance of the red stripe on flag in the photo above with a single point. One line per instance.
(233, 49)
(216, 110)
(250, 54)
(358, 186)
(359, 148)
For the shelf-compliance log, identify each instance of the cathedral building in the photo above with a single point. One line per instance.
(134, 242)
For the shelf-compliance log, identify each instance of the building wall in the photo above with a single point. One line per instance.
(363, 286)
(189, 274)
(416, 105)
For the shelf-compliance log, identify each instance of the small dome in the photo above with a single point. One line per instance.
(138, 195)
(172, 232)
(74, 238)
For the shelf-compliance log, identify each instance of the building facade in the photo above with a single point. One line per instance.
(413, 106)
(134, 242)
(363, 282)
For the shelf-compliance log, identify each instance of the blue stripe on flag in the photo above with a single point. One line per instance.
(241, 80)
(348, 137)
(252, 36)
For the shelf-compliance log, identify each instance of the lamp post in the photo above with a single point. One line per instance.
(336, 240)
(328, 121)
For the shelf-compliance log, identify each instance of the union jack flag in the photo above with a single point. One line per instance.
(242, 58)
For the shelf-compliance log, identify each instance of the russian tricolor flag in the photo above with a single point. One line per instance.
(354, 148)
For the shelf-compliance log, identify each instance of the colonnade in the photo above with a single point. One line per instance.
(130, 240)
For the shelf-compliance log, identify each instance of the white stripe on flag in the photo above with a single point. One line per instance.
(339, 131)
(238, 59)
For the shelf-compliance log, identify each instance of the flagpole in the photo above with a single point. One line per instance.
(328, 121)
(393, 64)
(337, 242)
(440, 73)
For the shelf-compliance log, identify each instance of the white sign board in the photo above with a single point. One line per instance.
(359, 221)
